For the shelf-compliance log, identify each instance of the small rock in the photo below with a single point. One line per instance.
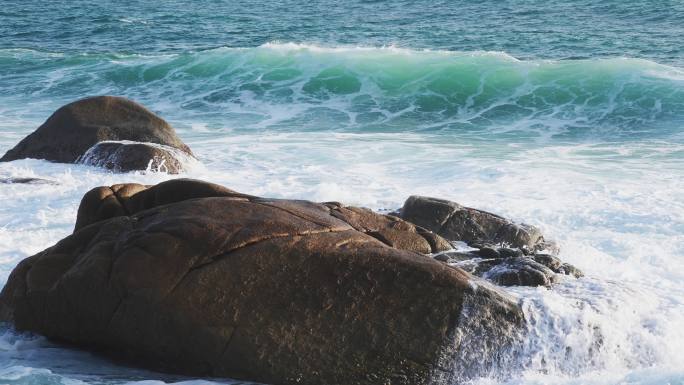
(569, 269)
(511, 268)
(557, 265)
(520, 272)
(507, 252)
(458, 223)
(131, 156)
(488, 252)
(549, 261)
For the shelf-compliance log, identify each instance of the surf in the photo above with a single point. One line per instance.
(289, 87)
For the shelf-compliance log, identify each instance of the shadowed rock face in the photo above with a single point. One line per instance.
(73, 129)
(123, 157)
(195, 278)
(458, 223)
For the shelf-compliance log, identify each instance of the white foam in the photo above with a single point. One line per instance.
(289, 47)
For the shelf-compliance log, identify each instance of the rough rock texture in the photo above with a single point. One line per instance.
(506, 253)
(510, 267)
(126, 199)
(73, 129)
(517, 272)
(129, 156)
(458, 223)
(195, 278)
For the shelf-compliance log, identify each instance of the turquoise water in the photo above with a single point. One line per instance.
(298, 87)
(570, 117)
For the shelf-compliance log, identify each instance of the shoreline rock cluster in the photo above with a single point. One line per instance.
(192, 277)
(500, 250)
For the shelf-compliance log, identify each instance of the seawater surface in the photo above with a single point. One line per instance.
(569, 117)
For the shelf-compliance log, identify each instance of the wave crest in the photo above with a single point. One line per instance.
(298, 86)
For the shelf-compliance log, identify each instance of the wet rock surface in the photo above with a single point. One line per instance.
(76, 127)
(501, 251)
(131, 156)
(510, 267)
(195, 278)
(459, 223)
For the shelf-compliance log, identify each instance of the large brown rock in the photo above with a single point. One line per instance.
(195, 278)
(459, 223)
(74, 128)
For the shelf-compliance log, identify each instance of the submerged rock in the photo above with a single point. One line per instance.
(76, 127)
(131, 156)
(458, 223)
(195, 278)
(26, 180)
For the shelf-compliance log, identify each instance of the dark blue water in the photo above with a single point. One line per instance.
(529, 29)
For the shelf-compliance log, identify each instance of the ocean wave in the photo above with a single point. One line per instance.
(296, 86)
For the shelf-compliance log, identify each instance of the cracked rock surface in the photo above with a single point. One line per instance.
(191, 277)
